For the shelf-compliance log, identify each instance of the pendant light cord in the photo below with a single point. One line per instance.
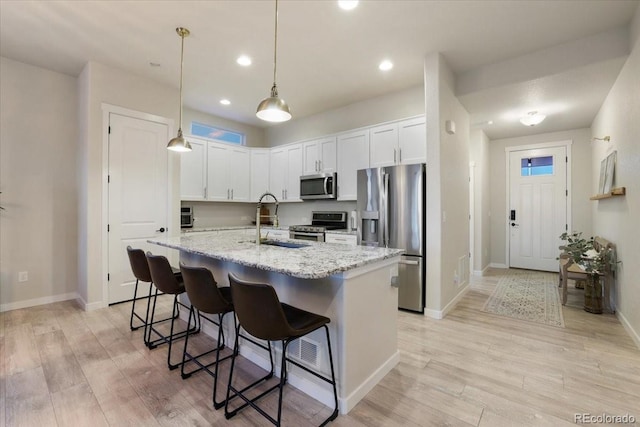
(274, 89)
(182, 34)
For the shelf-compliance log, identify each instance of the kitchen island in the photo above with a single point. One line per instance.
(349, 284)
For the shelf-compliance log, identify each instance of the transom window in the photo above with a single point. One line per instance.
(536, 166)
(213, 132)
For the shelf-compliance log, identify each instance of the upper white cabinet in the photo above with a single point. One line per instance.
(319, 156)
(259, 172)
(215, 171)
(286, 169)
(398, 143)
(193, 171)
(353, 154)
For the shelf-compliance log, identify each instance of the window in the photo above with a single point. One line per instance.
(537, 166)
(212, 132)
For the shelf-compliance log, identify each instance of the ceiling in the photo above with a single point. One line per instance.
(327, 57)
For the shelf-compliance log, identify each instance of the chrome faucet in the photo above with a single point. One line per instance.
(258, 216)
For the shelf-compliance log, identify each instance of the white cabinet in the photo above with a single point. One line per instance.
(215, 172)
(273, 233)
(346, 239)
(193, 171)
(319, 156)
(398, 143)
(286, 169)
(353, 154)
(228, 173)
(259, 172)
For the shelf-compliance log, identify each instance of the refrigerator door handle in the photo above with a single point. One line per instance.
(385, 233)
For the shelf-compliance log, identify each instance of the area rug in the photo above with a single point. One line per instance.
(527, 295)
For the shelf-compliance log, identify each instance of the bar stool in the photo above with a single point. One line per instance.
(262, 315)
(140, 269)
(206, 297)
(168, 283)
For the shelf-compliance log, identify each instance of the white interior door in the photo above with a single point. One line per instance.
(537, 207)
(138, 195)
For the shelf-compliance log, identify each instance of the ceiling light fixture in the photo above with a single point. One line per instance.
(385, 65)
(532, 118)
(179, 143)
(606, 138)
(348, 4)
(225, 102)
(244, 60)
(273, 108)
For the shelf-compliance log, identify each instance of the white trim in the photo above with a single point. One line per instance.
(472, 215)
(90, 306)
(108, 109)
(635, 336)
(480, 273)
(37, 301)
(497, 265)
(350, 274)
(513, 148)
(440, 314)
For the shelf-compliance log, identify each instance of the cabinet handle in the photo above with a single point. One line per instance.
(205, 192)
(319, 165)
(400, 155)
(394, 155)
(227, 194)
(232, 194)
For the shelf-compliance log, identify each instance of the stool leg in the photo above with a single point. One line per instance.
(150, 323)
(333, 380)
(186, 341)
(173, 319)
(133, 307)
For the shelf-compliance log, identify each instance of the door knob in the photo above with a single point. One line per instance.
(160, 230)
(513, 224)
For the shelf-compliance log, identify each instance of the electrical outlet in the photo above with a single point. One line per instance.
(23, 276)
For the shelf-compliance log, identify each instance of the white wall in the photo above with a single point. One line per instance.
(38, 182)
(385, 108)
(447, 187)
(580, 184)
(616, 219)
(100, 84)
(479, 154)
(254, 136)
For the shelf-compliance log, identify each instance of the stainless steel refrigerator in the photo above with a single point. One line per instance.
(391, 213)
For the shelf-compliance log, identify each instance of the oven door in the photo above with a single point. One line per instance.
(303, 235)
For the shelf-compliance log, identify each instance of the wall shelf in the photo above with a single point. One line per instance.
(620, 191)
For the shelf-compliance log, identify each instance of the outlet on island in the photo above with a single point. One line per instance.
(23, 276)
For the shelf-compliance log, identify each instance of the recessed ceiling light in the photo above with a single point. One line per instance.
(347, 4)
(385, 65)
(225, 102)
(490, 122)
(532, 118)
(244, 60)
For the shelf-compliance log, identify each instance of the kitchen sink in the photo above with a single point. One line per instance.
(281, 244)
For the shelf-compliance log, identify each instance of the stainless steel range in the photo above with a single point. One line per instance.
(320, 222)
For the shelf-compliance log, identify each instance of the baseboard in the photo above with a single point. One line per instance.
(89, 306)
(627, 326)
(498, 265)
(480, 273)
(37, 301)
(439, 314)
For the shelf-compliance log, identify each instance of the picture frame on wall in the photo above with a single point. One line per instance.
(603, 175)
(611, 165)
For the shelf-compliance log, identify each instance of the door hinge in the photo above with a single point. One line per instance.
(566, 159)
(108, 228)
(566, 192)
(566, 227)
(108, 179)
(108, 277)
(109, 130)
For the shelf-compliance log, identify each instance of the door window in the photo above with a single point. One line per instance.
(536, 166)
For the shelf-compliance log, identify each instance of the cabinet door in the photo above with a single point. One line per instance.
(412, 141)
(278, 172)
(217, 178)
(193, 171)
(311, 158)
(239, 174)
(328, 155)
(345, 239)
(294, 171)
(353, 154)
(259, 173)
(384, 145)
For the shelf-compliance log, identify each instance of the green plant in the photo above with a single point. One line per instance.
(582, 252)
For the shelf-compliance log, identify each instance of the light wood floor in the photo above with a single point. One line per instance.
(61, 366)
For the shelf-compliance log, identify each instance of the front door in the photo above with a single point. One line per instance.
(138, 196)
(537, 207)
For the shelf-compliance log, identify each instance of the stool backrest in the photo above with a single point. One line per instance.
(139, 264)
(162, 275)
(258, 309)
(203, 291)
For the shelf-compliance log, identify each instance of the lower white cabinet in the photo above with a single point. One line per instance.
(347, 239)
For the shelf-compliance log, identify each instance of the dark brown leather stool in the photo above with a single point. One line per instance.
(261, 314)
(206, 298)
(140, 269)
(168, 283)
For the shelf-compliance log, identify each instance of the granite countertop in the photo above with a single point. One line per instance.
(315, 261)
(232, 227)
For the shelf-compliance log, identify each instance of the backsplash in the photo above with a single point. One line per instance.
(213, 214)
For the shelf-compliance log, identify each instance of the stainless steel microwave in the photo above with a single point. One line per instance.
(320, 186)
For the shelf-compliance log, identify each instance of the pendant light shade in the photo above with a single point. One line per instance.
(274, 109)
(178, 143)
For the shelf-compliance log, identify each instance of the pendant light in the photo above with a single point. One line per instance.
(273, 108)
(179, 143)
